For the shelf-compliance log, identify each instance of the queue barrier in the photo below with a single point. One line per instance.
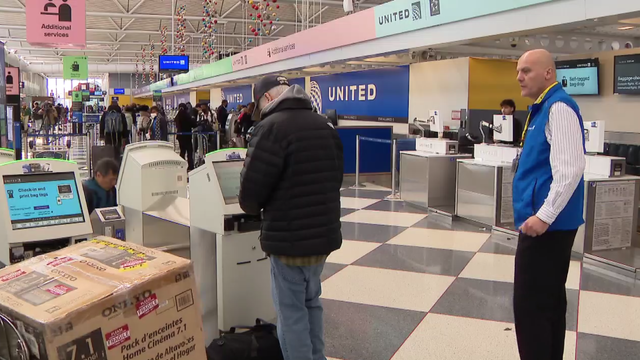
(394, 157)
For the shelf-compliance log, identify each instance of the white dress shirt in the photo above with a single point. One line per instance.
(564, 134)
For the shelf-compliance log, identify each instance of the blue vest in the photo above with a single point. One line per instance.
(532, 181)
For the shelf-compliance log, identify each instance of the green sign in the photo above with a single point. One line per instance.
(407, 15)
(75, 67)
(157, 95)
(77, 96)
(86, 95)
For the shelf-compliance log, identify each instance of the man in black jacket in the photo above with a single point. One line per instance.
(292, 174)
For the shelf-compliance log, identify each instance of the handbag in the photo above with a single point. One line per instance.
(258, 342)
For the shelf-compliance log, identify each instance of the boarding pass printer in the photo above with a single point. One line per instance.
(152, 191)
(233, 273)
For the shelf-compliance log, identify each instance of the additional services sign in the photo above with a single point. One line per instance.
(75, 67)
(57, 23)
(373, 95)
(12, 77)
(237, 95)
(407, 15)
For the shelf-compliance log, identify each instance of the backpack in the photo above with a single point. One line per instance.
(113, 122)
(259, 342)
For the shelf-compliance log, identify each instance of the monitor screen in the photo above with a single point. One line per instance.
(173, 63)
(579, 77)
(44, 199)
(118, 91)
(626, 74)
(228, 174)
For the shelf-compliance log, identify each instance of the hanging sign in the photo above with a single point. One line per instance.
(12, 77)
(75, 67)
(57, 23)
(77, 96)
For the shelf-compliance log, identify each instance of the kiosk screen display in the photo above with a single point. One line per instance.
(228, 174)
(626, 70)
(45, 199)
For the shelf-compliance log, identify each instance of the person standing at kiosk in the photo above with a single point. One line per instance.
(548, 198)
(100, 190)
(292, 174)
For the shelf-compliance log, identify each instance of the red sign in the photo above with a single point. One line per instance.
(59, 261)
(12, 275)
(59, 290)
(57, 23)
(12, 77)
(118, 337)
(147, 306)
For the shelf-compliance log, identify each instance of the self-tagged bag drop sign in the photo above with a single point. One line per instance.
(75, 67)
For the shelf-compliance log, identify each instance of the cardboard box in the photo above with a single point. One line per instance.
(105, 300)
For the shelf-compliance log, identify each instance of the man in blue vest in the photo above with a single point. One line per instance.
(548, 196)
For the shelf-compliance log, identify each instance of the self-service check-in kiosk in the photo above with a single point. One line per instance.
(152, 191)
(43, 209)
(109, 222)
(233, 273)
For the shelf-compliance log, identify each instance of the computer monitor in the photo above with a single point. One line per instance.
(594, 136)
(435, 122)
(503, 128)
(228, 174)
(42, 199)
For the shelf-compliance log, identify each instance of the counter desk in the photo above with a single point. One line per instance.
(484, 193)
(428, 180)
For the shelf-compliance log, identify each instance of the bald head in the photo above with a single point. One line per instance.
(536, 72)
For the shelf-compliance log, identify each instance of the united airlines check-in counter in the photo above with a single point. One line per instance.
(232, 272)
(43, 209)
(152, 191)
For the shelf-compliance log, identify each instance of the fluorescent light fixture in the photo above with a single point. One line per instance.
(626, 28)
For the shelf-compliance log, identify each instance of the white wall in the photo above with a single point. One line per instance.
(438, 85)
(619, 111)
(215, 97)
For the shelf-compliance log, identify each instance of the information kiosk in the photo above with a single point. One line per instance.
(152, 191)
(233, 273)
(43, 209)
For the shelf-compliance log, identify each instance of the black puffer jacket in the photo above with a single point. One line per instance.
(293, 173)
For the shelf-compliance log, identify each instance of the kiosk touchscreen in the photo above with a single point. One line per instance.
(43, 208)
(503, 128)
(152, 190)
(225, 243)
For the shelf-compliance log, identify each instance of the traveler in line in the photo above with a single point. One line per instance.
(113, 125)
(548, 195)
(185, 124)
(158, 129)
(292, 176)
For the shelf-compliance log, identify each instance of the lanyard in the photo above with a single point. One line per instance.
(538, 101)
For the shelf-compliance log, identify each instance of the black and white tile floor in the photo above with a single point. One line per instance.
(404, 286)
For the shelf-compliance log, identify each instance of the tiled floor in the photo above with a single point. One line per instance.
(405, 286)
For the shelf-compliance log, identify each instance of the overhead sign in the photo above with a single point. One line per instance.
(237, 95)
(76, 96)
(75, 67)
(12, 78)
(173, 64)
(374, 95)
(400, 16)
(57, 23)
(118, 91)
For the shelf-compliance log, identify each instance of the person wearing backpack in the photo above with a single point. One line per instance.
(113, 126)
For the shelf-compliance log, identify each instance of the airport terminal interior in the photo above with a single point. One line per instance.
(425, 98)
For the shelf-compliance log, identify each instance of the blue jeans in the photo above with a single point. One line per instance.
(296, 295)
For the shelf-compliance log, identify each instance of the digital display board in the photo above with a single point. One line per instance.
(579, 77)
(626, 74)
(42, 199)
(118, 91)
(228, 174)
(173, 63)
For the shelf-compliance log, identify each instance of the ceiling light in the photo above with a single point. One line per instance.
(625, 28)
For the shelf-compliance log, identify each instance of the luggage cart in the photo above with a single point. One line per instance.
(13, 346)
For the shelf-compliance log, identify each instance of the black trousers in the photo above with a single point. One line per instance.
(540, 298)
(186, 147)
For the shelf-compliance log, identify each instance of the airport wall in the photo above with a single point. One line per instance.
(619, 111)
(491, 81)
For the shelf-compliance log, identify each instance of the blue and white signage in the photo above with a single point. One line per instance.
(237, 95)
(372, 95)
(173, 63)
(298, 81)
(579, 77)
(118, 91)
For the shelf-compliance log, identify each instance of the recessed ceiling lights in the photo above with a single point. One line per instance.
(625, 28)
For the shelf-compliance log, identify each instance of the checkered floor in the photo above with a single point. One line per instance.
(405, 286)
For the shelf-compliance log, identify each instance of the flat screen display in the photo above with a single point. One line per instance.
(626, 74)
(118, 91)
(173, 63)
(228, 174)
(579, 77)
(39, 200)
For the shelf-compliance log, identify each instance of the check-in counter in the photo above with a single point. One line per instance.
(609, 234)
(428, 180)
(484, 193)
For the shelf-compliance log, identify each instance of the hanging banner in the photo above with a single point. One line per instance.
(400, 16)
(75, 67)
(76, 96)
(12, 77)
(57, 23)
(380, 95)
(237, 95)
